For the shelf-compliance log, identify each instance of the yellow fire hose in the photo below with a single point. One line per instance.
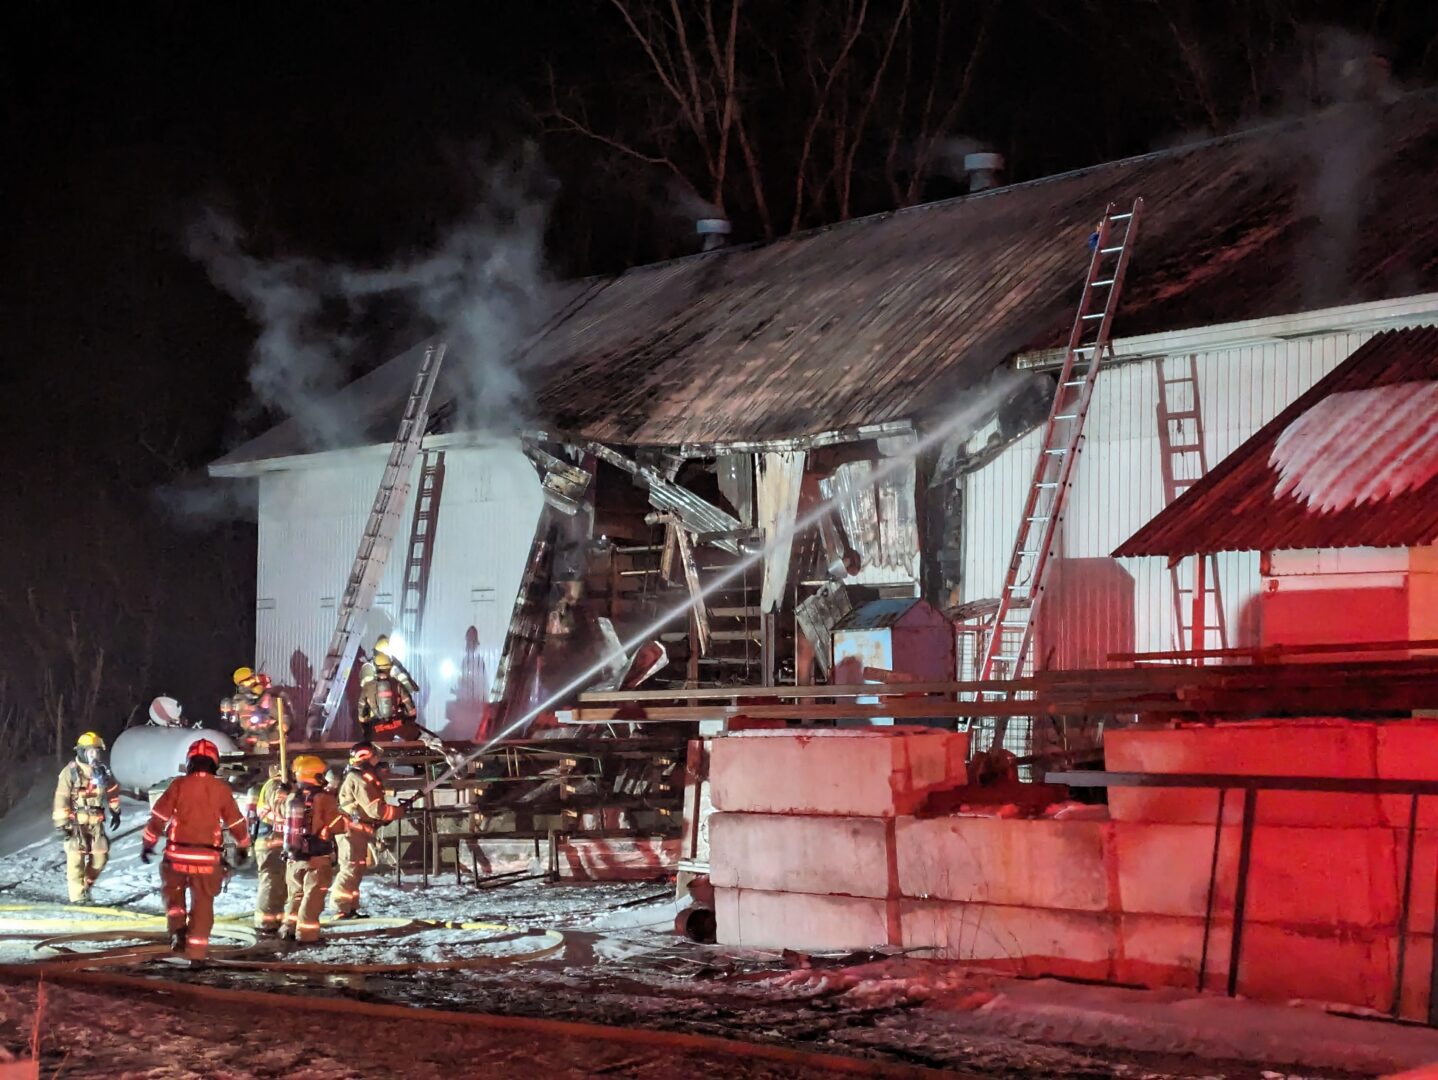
(112, 924)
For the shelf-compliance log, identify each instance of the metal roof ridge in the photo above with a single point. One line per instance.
(1267, 127)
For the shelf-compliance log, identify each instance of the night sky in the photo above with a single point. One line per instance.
(346, 132)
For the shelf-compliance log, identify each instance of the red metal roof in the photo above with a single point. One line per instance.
(1351, 463)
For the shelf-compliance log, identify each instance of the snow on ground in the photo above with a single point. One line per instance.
(620, 964)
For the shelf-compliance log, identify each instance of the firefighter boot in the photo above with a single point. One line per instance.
(177, 940)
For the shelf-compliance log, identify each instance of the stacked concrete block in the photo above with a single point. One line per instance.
(816, 846)
(1032, 895)
(802, 842)
(1325, 884)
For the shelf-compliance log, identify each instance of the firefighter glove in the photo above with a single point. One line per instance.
(146, 854)
(241, 854)
(114, 819)
(67, 831)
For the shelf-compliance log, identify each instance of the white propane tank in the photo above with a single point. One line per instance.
(148, 755)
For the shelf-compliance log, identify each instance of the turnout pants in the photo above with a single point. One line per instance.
(354, 860)
(309, 882)
(78, 875)
(270, 892)
(203, 886)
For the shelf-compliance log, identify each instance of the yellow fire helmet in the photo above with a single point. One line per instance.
(309, 769)
(89, 739)
(243, 675)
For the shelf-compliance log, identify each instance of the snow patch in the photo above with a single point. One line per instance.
(1360, 446)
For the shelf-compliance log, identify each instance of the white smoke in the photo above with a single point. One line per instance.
(482, 287)
(295, 365)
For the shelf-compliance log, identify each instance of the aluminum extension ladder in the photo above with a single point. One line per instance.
(415, 586)
(1011, 631)
(374, 546)
(1197, 598)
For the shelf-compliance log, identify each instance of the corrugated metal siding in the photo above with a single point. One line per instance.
(1237, 505)
(1098, 604)
(310, 521)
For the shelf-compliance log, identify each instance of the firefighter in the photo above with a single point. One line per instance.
(363, 803)
(84, 791)
(312, 821)
(264, 811)
(387, 701)
(193, 814)
(258, 711)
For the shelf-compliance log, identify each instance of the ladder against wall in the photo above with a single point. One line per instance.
(1007, 651)
(414, 584)
(1199, 619)
(374, 546)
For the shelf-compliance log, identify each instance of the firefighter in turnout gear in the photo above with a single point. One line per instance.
(257, 710)
(265, 813)
(312, 821)
(387, 707)
(193, 815)
(387, 696)
(84, 793)
(363, 803)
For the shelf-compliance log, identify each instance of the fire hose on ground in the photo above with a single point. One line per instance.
(55, 936)
(262, 1002)
(96, 969)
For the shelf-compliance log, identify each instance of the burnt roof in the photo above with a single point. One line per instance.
(889, 318)
(1351, 463)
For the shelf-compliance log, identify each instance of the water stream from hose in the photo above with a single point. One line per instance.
(978, 404)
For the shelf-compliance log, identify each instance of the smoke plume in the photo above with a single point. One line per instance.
(482, 287)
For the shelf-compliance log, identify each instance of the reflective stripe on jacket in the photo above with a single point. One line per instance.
(362, 798)
(192, 814)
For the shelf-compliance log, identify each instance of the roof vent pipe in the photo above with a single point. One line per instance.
(714, 230)
(985, 170)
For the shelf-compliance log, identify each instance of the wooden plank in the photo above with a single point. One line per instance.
(1260, 653)
(696, 590)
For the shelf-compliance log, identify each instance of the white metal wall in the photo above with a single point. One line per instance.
(309, 526)
(1118, 487)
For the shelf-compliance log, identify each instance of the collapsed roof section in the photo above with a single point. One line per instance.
(1351, 463)
(861, 328)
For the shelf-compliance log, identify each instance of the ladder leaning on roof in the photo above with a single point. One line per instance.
(374, 546)
(1011, 632)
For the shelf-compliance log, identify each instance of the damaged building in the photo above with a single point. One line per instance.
(687, 410)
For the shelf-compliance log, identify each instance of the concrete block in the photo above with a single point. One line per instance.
(845, 856)
(621, 859)
(856, 772)
(1277, 962)
(1315, 747)
(776, 920)
(1162, 950)
(1079, 944)
(1043, 863)
(1306, 877)
(1408, 750)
